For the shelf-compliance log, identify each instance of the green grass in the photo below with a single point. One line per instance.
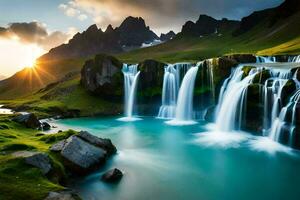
(51, 102)
(19, 180)
(284, 38)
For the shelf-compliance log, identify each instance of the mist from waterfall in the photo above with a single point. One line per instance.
(171, 84)
(131, 76)
(184, 106)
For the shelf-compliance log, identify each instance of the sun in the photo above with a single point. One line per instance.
(32, 55)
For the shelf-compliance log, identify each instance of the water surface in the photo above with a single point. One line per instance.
(189, 162)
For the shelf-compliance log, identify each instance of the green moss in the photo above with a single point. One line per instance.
(246, 70)
(52, 138)
(16, 147)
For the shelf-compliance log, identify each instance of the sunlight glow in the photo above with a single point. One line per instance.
(16, 55)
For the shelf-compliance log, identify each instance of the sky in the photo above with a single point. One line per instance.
(30, 28)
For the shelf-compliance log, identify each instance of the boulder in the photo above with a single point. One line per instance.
(45, 126)
(57, 147)
(39, 160)
(29, 120)
(105, 144)
(81, 156)
(112, 176)
(103, 77)
(63, 195)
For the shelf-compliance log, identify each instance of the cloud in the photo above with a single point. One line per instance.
(34, 33)
(166, 14)
(71, 10)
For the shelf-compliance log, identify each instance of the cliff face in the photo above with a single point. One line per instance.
(132, 33)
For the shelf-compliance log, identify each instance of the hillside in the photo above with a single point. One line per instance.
(268, 32)
(265, 32)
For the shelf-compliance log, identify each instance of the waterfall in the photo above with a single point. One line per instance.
(131, 75)
(295, 59)
(210, 78)
(265, 59)
(231, 107)
(184, 106)
(282, 121)
(170, 89)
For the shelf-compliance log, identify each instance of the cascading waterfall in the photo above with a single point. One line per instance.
(294, 59)
(231, 106)
(131, 75)
(282, 121)
(265, 59)
(184, 106)
(170, 90)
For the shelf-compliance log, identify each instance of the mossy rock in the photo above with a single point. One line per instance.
(262, 76)
(246, 70)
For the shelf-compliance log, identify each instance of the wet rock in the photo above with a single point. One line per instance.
(63, 195)
(82, 156)
(287, 91)
(39, 160)
(29, 120)
(112, 176)
(105, 144)
(246, 70)
(45, 126)
(261, 77)
(210, 114)
(103, 77)
(254, 110)
(57, 147)
(243, 58)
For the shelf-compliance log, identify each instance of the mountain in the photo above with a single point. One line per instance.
(267, 32)
(132, 33)
(205, 25)
(2, 77)
(272, 16)
(168, 36)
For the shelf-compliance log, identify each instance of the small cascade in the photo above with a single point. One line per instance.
(265, 59)
(287, 118)
(184, 106)
(131, 75)
(210, 78)
(294, 59)
(171, 83)
(232, 97)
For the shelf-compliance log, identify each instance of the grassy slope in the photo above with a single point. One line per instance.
(284, 38)
(74, 96)
(17, 179)
(31, 79)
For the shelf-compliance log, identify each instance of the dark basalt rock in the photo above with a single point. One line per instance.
(112, 176)
(103, 77)
(57, 147)
(243, 58)
(150, 85)
(261, 77)
(254, 109)
(105, 144)
(29, 120)
(45, 126)
(41, 161)
(287, 91)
